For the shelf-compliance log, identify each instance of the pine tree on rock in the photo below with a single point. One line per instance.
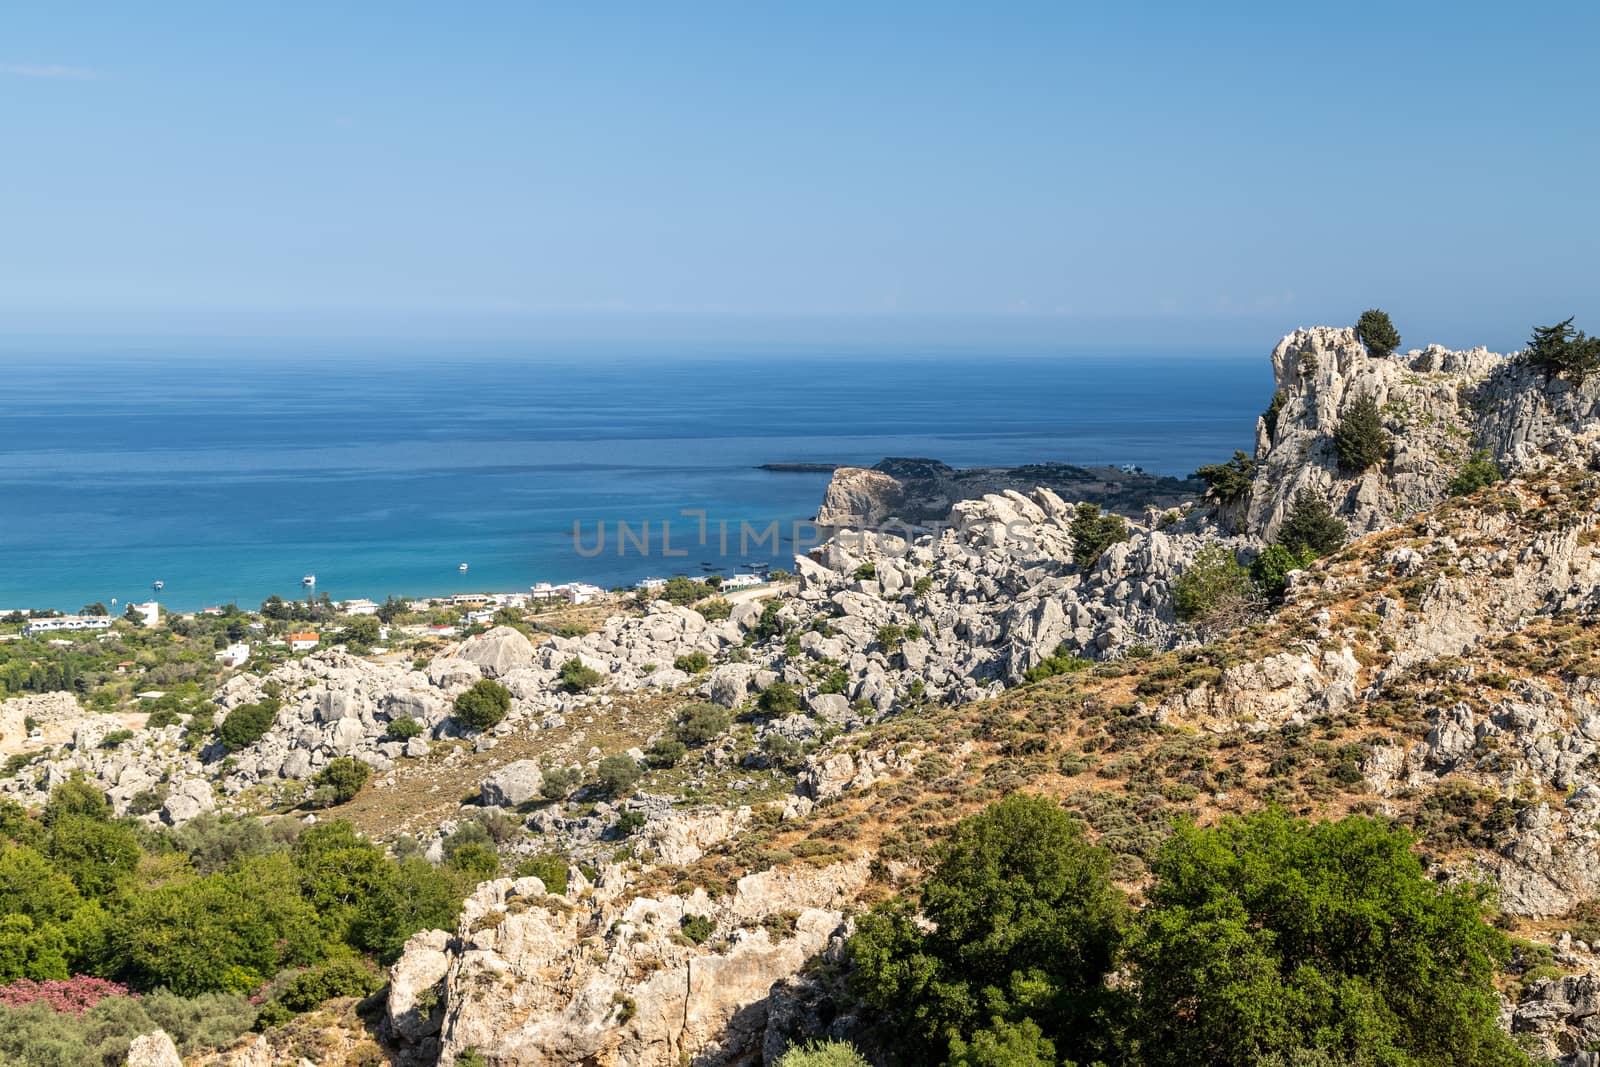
(1360, 438)
(1311, 526)
(1377, 332)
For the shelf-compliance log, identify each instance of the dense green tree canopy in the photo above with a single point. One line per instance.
(1093, 533)
(1270, 935)
(1310, 526)
(1563, 352)
(1027, 924)
(1376, 331)
(1360, 439)
(483, 704)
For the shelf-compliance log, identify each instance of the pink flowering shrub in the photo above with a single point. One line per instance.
(75, 995)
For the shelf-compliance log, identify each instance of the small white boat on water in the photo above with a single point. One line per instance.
(310, 579)
(158, 585)
(462, 568)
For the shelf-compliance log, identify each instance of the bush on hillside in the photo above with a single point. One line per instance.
(39, 1035)
(692, 663)
(403, 728)
(1214, 592)
(778, 699)
(701, 722)
(617, 775)
(823, 1054)
(343, 779)
(1376, 331)
(1025, 925)
(247, 724)
(1360, 439)
(714, 610)
(1274, 409)
(1268, 935)
(1562, 352)
(549, 867)
(1062, 661)
(483, 705)
(1311, 526)
(1478, 471)
(559, 782)
(1093, 533)
(577, 677)
(1230, 482)
(666, 752)
(1270, 570)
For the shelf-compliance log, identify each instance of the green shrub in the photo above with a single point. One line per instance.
(39, 1036)
(559, 782)
(483, 705)
(779, 698)
(617, 775)
(549, 867)
(1214, 592)
(682, 591)
(701, 722)
(1377, 332)
(344, 777)
(1561, 352)
(577, 677)
(312, 988)
(1480, 470)
(1062, 661)
(714, 610)
(1270, 570)
(837, 681)
(697, 928)
(692, 663)
(1025, 925)
(865, 573)
(666, 752)
(404, 728)
(1274, 409)
(889, 636)
(1093, 533)
(477, 861)
(1252, 926)
(115, 738)
(1360, 439)
(823, 1054)
(770, 624)
(1230, 482)
(163, 717)
(629, 822)
(247, 724)
(1311, 526)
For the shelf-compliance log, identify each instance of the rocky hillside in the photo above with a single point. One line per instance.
(1437, 405)
(1438, 671)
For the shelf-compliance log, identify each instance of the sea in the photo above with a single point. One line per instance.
(231, 469)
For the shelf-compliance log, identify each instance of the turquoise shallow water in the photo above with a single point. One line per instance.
(228, 469)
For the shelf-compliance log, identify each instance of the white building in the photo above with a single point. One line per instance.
(234, 655)
(648, 584)
(359, 607)
(303, 642)
(742, 581)
(571, 592)
(67, 622)
(473, 618)
(147, 614)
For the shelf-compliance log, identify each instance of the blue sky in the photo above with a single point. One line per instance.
(1053, 170)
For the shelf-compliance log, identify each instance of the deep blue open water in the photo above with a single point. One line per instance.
(228, 469)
